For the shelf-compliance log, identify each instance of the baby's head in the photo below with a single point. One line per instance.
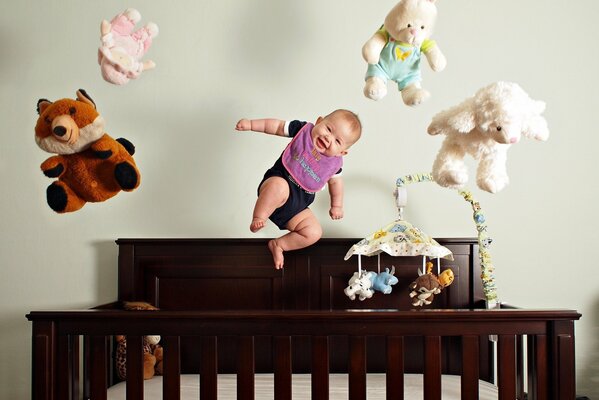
(334, 134)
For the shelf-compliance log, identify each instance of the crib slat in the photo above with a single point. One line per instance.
(44, 334)
(245, 368)
(68, 364)
(565, 348)
(98, 381)
(395, 368)
(208, 368)
(507, 367)
(537, 367)
(432, 368)
(519, 367)
(171, 368)
(135, 379)
(282, 364)
(320, 367)
(470, 372)
(357, 368)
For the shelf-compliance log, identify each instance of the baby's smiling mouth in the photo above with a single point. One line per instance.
(321, 143)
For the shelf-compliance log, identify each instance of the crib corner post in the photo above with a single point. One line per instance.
(44, 358)
(562, 360)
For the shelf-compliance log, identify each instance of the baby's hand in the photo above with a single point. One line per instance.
(336, 212)
(243, 125)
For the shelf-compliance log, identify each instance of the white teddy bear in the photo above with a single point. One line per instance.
(485, 126)
(394, 51)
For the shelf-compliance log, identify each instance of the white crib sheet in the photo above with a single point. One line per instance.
(227, 389)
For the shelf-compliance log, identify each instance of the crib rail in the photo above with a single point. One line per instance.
(549, 335)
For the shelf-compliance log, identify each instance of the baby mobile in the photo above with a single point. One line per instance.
(400, 239)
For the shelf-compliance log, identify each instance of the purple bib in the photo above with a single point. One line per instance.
(310, 169)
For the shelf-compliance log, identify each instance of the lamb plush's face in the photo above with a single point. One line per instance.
(501, 124)
(502, 109)
(411, 21)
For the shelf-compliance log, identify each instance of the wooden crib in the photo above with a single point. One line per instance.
(225, 310)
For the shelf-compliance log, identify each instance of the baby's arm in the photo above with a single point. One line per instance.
(336, 192)
(269, 125)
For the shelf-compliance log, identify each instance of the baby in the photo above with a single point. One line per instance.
(312, 159)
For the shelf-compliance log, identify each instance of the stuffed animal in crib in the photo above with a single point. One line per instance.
(485, 126)
(152, 351)
(152, 357)
(360, 284)
(383, 281)
(123, 47)
(394, 51)
(90, 166)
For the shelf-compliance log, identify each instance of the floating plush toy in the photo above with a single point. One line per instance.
(485, 126)
(122, 48)
(90, 165)
(395, 50)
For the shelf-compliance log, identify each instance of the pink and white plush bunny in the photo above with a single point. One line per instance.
(122, 48)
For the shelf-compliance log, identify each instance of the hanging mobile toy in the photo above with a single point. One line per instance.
(383, 281)
(360, 284)
(427, 285)
(401, 238)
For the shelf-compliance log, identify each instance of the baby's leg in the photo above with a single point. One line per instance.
(304, 230)
(273, 194)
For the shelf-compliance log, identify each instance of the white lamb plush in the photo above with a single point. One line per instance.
(485, 126)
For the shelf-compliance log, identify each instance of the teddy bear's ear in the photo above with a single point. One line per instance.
(42, 104)
(84, 97)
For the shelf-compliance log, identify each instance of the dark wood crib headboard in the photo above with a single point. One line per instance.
(238, 274)
(232, 274)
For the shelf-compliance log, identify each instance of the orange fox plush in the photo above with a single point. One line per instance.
(90, 165)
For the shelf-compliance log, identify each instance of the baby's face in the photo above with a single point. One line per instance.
(332, 135)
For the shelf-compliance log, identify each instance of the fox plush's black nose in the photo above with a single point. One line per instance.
(59, 130)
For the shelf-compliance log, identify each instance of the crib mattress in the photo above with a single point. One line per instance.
(264, 387)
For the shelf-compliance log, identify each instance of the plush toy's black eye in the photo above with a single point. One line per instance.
(47, 120)
(422, 27)
(409, 25)
(499, 128)
(72, 110)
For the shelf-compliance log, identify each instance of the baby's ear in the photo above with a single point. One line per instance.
(318, 120)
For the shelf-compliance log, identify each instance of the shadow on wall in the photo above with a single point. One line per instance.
(106, 271)
(588, 378)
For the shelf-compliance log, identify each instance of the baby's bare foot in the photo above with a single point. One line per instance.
(257, 224)
(277, 253)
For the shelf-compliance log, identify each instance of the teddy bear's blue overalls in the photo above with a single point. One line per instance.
(399, 62)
